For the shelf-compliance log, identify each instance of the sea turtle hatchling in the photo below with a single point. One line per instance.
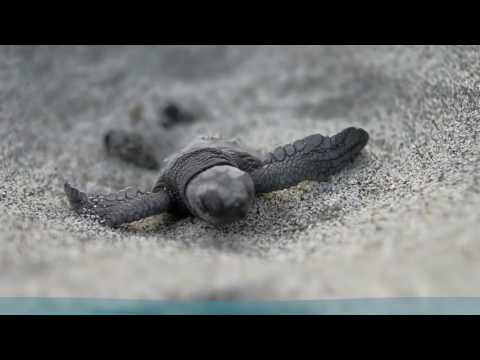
(216, 180)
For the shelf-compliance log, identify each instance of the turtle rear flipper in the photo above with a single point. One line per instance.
(117, 208)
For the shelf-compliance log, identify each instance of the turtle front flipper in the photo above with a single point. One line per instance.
(315, 157)
(117, 208)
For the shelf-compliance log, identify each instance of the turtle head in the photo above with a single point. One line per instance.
(221, 194)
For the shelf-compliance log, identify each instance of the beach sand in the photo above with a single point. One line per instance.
(402, 221)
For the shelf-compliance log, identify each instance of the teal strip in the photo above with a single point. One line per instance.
(391, 306)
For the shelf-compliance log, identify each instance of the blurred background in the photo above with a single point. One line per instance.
(403, 220)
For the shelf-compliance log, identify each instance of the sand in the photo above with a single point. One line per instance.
(402, 221)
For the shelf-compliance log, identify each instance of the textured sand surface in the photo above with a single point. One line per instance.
(403, 220)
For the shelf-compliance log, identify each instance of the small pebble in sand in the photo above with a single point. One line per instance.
(173, 114)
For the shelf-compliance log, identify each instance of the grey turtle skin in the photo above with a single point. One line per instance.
(217, 180)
